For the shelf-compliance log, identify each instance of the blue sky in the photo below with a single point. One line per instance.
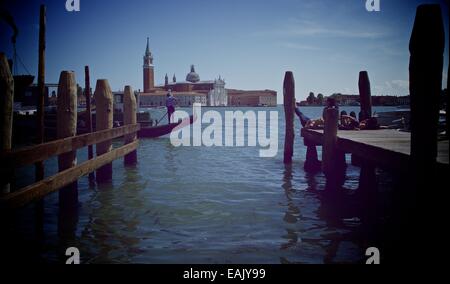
(250, 43)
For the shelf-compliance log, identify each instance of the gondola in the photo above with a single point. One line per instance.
(161, 130)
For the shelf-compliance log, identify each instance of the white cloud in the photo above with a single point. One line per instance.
(302, 28)
(292, 45)
(392, 88)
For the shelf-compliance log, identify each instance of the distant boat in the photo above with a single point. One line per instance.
(161, 130)
(401, 119)
(398, 119)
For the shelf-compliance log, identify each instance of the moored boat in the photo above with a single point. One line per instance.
(161, 130)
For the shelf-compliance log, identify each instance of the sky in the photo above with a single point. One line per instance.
(250, 43)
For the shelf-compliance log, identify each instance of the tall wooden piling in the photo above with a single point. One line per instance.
(41, 89)
(425, 76)
(329, 139)
(66, 126)
(333, 160)
(104, 120)
(365, 96)
(6, 115)
(312, 163)
(129, 117)
(87, 93)
(289, 110)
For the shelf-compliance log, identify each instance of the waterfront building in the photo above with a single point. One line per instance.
(219, 95)
(194, 90)
(184, 99)
(252, 98)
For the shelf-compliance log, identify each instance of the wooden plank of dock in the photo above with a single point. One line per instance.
(387, 148)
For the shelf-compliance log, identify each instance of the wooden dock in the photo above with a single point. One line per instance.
(419, 156)
(385, 148)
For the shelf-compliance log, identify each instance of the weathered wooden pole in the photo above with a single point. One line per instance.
(312, 163)
(129, 117)
(367, 179)
(289, 109)
(104, 120)
(365, 96)
(6, 116)
(425, 83)
(426, 48)
(329, 140)
(66, 126)
(87, 93)
(41, 89)
(333, 160)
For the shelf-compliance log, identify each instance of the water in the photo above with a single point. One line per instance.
(201, 205)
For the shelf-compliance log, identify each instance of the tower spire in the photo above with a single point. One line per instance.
(149, 80)
(148, 57)
(147, 50)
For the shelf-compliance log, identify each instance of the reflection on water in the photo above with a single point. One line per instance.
(202, 205)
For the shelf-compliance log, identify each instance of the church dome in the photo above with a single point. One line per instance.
(192, 76)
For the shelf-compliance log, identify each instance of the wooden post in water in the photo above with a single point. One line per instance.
(426, 48)
(333, 160)
(312, 163)
(289, 109)
(367, 177)
(87, 93)
(41, 89)
(66, 126)
(104, 120)
(6, 116)
(425, 78)
(365, 96)
(129, 117)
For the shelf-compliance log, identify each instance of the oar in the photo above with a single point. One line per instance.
(161, 119)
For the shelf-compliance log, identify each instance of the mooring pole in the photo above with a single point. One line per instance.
(41, 89)
(104, 120)
(129, 117)
(425, 76)
(426, 48)
(365, 96)
(312, 163)
(367, 178)
(66, 126)
(87, 93)
(6, 118)
(447, 103)
(333, 160)
(329, 140)
(289, 109)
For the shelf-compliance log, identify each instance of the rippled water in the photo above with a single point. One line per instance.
(202, 205)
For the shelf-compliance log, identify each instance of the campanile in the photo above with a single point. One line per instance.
(149, 75)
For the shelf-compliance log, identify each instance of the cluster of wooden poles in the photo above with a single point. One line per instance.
(425, 77)
(67, 142)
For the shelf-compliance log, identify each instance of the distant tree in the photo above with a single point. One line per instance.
(311, 98)
(320, 99)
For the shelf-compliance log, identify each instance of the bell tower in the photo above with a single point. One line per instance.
(149, 75)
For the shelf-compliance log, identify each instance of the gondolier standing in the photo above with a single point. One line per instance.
(170, 104)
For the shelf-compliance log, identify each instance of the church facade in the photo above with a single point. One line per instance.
(194, 90)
